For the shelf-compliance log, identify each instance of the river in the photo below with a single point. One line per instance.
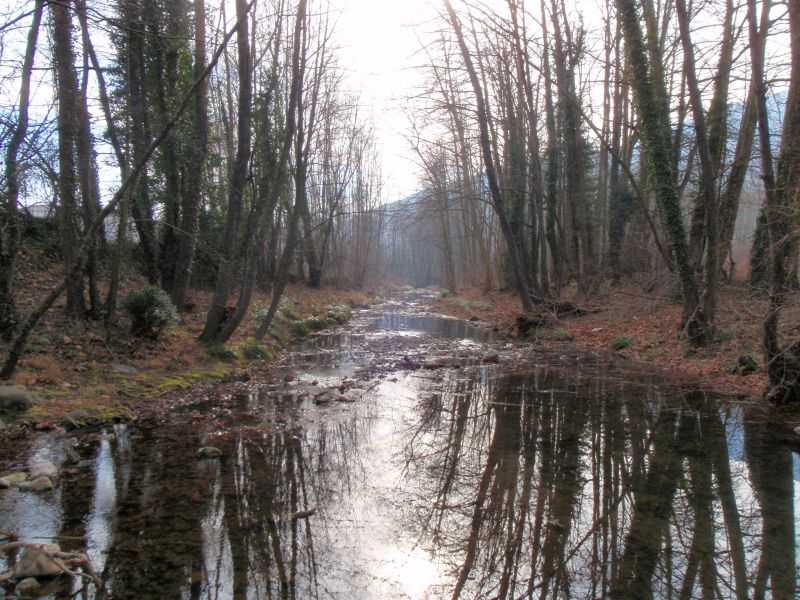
(408, 455)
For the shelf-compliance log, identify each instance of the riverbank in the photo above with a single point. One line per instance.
(81, 375)
(641, 327)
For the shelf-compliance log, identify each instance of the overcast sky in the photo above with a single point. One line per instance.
(379, 41)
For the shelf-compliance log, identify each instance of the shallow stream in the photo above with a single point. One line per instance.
(412, 456)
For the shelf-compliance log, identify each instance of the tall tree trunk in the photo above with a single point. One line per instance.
(783, 364)
(9, 210)
(238, 180)
(520, 278)
(270, 197)
(649, 94)
(141, 204)
(553, 166)
(190, 208)
(89, 186)
(709, 160)
(68, 116)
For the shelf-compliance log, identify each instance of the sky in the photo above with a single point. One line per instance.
(379, 41)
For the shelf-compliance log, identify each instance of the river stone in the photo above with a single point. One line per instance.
(40, 484)
(28, 587)
(12, 480)
(15, 398)
(34, 563)
(324, 397)
(43, 469)
(209, 452)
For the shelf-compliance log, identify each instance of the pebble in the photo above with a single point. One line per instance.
(40, 484)
(34, 563)
(28, 587)
(12, 480)
(43, 469)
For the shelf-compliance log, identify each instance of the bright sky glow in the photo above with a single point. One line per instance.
(379, 40)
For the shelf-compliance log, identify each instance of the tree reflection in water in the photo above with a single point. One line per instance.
(590, 489)
(454, 485)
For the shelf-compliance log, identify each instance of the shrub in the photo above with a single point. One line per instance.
(299, 329)
(289, 311)
(620, 342)
(553, 335)
(223, 353)
(339, 314)
(151, 312)
(253, 350)
(317, 323)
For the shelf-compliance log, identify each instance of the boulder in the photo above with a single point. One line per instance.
(43, 469)
(38, 562)
(124, 369)
(15, 398)
(40, 484)
(28, 587)
(12, 480)
(209, 452)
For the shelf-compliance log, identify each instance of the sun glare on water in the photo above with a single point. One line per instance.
(413, 573)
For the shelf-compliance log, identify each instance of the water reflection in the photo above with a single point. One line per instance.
(435, 325)
(605, 494)
(457, 484)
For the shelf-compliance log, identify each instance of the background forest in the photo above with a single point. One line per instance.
(563, 150)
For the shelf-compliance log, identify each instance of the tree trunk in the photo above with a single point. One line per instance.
(9, 216)
(68, 116)
(520, 278)
(783, 364)
(238, 180)
(187, 234)
(709, 159)
(649, 94)
(141, 205)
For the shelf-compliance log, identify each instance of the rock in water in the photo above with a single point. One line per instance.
(324, 397)
(43, 469)
(40, 484)
(15, 398)
(28, 587)
(12, 480)
(37, 562)
(209, 452)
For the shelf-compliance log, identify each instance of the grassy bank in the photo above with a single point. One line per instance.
(84, 375)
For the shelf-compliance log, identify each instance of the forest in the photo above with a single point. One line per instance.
(245, 354)
(561, 154)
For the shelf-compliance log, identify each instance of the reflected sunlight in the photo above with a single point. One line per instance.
(413, 572)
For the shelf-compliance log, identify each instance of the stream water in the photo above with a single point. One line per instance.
(412, 456)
